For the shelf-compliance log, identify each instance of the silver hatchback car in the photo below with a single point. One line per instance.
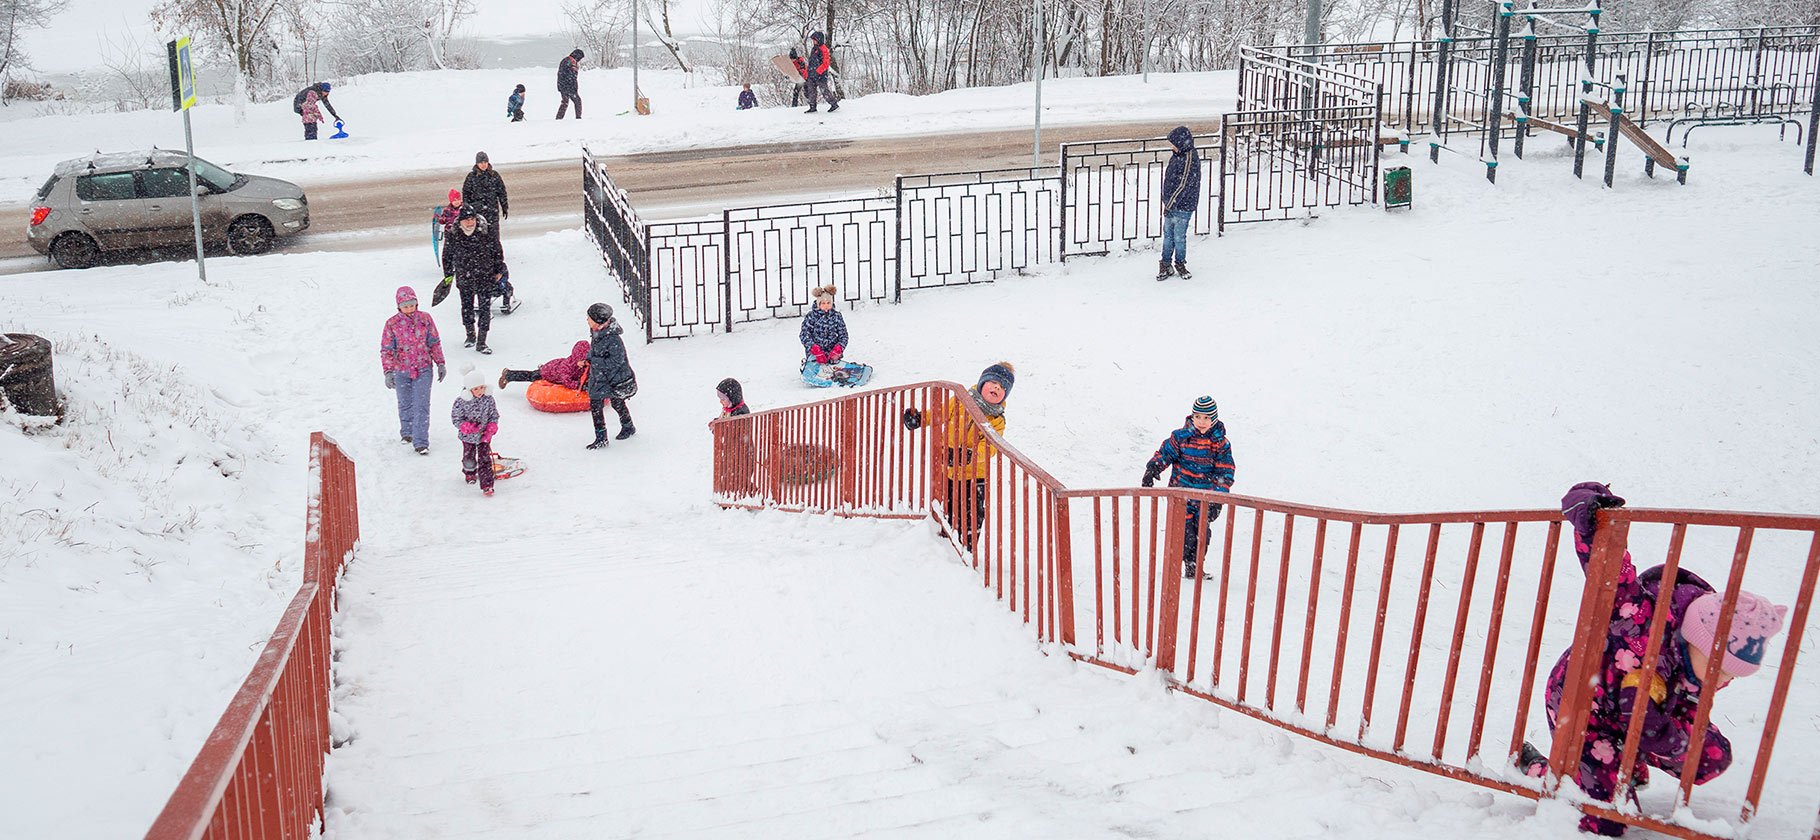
(126, 200)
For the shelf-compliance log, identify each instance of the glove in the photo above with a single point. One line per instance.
(441, 371)
(389, 384)
(817, 353)
(468, 427)
(491, 430)
(1150, 476)
(1582, 501)
(503, 215)
(913, 419)
(834, 355)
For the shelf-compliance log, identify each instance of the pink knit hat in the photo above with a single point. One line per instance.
(1754, 620)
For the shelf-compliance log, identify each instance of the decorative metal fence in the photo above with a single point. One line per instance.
(1421, 639)
(1768, 70)
(1112, 192)
(960, 228)
(970, 227)
(259, 774)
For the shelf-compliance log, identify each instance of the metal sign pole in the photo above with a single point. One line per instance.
(183, 97)
(1036, 62)
(1147, 41)
(635, 56)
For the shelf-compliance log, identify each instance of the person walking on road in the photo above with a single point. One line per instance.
(821, 64)
(568, 83)
(408, 347)
(485, 192)
(472, 257)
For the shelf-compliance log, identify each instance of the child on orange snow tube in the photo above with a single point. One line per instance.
(568, 372)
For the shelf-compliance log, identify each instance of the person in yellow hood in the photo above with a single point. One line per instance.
(966, 450)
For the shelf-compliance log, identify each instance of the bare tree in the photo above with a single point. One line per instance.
(236, 29)
(135, 78)
(17, 16)
(666, 37)
(598, 27)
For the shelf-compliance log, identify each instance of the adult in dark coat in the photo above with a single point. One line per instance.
(821, 63)
(322, 98)
(610, 377)
(568, 83)
(485, 191)
(472, 257)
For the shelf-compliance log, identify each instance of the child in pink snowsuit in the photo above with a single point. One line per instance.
(476, 419)
(312, 114)
(1673, 680)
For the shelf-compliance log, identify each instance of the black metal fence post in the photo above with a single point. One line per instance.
(726, 267)
(897, 275)
(1611, 134)
(1495, 119)
(1526, 96)
(1642, 111)
(1586, 88)
(1813, 113)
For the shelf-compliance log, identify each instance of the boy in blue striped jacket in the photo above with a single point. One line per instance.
(1202, 458)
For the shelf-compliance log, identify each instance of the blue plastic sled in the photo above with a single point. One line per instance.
(848, 374)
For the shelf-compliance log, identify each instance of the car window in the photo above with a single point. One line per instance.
(164, 183)
(113, 186)
(215, 176)
(45, 191)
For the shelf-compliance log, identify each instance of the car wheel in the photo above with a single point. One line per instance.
(249, 235)
(75, 250)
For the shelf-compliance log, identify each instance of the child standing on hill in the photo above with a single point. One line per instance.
(569, 372)
(967, 449)
(515, 104)
(824, 332)
(408, 347)
(1201, 459)
(1181, 195)
(449, 213)
(610, 376)
(732, 398)
(1673, 680)
(476, 419)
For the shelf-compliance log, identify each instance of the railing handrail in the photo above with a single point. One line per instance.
(280, 731)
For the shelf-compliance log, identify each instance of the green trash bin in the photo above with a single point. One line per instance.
(1397, 189)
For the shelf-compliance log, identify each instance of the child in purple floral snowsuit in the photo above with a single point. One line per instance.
(1673, 682)
(476, 419)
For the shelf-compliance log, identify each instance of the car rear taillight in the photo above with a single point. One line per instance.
(39, 214)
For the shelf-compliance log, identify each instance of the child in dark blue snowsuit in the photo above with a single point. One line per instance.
(747, 99)
(824, 332)
(515, 104)
(1181, 195)
(610, 377)
(1202, 458)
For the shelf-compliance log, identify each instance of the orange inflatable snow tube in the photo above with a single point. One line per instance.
(549, 396)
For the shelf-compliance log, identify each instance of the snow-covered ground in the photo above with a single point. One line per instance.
(430, 120)
(527, 658)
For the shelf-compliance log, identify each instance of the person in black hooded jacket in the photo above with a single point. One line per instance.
(485, 192)
(610, 376)
(739, 457)
(568, 83)
(472, 257)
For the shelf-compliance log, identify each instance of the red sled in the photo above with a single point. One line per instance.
(549, 396)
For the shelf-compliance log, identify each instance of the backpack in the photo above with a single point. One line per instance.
(297, 101)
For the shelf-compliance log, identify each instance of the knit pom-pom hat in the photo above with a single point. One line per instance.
(471, 378)
(1206, 405)
(1002, 373)
(1754, 620)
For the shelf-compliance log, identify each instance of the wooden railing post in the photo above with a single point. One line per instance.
(1064, 572)
(1169, 611)
(1587, 652)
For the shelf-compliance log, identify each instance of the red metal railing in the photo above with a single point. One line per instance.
(259, 774)
(1419, 639)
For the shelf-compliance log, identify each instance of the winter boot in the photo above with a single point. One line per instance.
(600, 439)
(483, 349)
(487, 492)
(502, 380)
(811, 110)
(834, 107)
(469, 342)
(1162, 270)
(423, 450)
(625, 431)
(405, 439)
(1531, 761)
(1181, 270)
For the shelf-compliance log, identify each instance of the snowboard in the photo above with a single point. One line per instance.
(436, 235)
(784, 66)
(848, 374)
(442, 290)
(504, 467)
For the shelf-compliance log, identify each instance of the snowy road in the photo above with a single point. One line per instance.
(393, 211)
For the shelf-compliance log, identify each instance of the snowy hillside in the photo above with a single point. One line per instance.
(1485, 349)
